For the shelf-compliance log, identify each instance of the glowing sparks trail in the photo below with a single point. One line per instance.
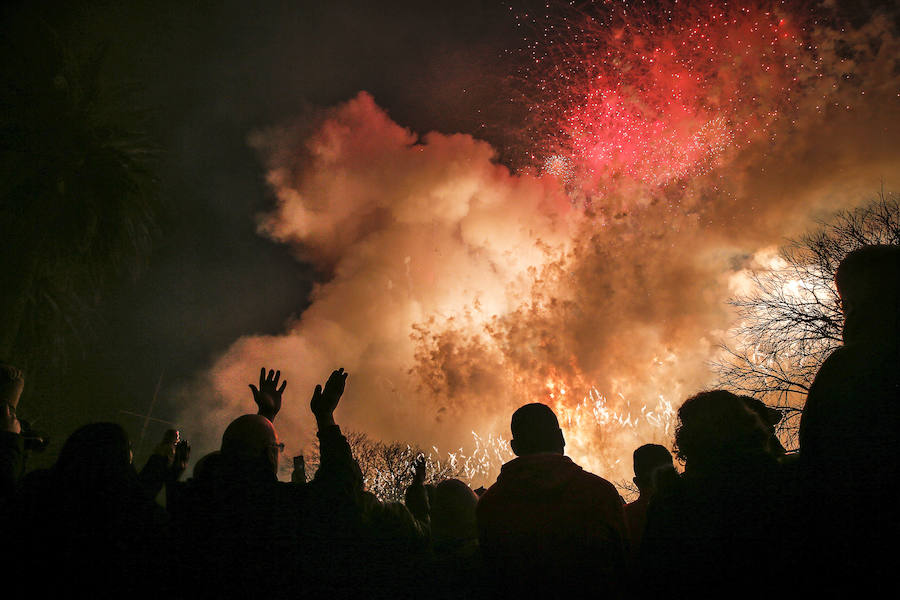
(656, 92)
(581, 420)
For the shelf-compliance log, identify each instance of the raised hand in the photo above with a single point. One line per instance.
(8, 419)
(182, 456)
(12, 382)
(419, 474)
(416, 495)
(324, 401)
(268, 395)
(166, 448)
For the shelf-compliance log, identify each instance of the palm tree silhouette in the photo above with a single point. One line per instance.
(78, 195)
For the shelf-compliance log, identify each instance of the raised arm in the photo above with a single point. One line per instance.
(325, 401)
(12, 452)
(416, 496)
(166, 464)
(336, 463)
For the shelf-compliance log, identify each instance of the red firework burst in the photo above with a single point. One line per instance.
(655, 92)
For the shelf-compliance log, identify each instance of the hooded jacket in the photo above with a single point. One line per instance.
(547, 522)
(850, 454)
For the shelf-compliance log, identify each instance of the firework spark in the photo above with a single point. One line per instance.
(656, 92)
(459, 290)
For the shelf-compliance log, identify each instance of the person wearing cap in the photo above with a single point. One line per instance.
(850, 429)
(548, 525)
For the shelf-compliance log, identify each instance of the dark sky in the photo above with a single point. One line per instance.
(212, 73)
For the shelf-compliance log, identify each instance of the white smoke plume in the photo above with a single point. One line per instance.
(454, 291)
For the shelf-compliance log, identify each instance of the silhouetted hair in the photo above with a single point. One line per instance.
(391, 523)
(649, 457)
(535, 429)
(453, 510)
(94, 455)
(714, 423)
(204, 467)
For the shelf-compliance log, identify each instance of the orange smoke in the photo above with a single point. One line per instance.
(454, 291)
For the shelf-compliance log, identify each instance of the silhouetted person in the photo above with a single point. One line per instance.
(456, 556)
(850, 430)
(653, 469)
(454, 529)
(244, 533)
(446, 511)
(12, 444)
(416, 496)
(547, 525)
(166, 463)
(87, 525)
(716, 530)
(392, 560)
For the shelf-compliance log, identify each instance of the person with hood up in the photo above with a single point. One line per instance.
(547, 526)
(850, 432)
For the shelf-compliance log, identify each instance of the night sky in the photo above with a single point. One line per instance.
(211, 73)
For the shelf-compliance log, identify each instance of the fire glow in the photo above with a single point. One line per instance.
(455, 290)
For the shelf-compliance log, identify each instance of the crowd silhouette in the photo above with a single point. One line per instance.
(744, 518)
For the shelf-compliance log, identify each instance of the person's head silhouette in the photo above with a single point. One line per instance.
(716, 426)
(251, 437)
(649, 459)
(535, 430)
(453, 511)
(868, 282)
(96, 455)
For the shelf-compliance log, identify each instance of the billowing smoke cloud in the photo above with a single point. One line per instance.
(454, 290)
